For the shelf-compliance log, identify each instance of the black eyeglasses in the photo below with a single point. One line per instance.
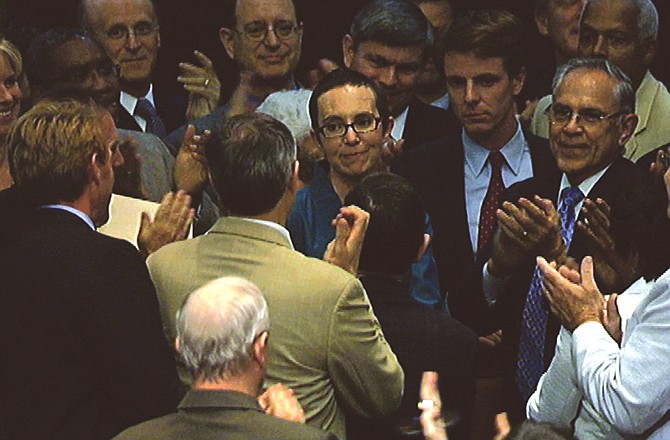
(258, 31)
(363, 123)
(140, 30)
(588, 117)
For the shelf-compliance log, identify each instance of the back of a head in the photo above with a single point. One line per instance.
(217, 326)
(487, 33)
(50, 148)
(346, 77)
(251, 162)
(397, 223)
(395, 23)
(289, 107)
(530, 430)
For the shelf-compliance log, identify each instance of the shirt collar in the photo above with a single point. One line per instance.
(399, 124)
(644, 100)
(273, 225)
(586, 186)
(129, 102)
(512, 151)
(72, 210)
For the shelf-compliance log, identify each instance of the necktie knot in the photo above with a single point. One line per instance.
(145, 110)
(497, 160)
(571, 196)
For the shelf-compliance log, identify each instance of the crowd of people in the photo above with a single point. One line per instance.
(406, 244)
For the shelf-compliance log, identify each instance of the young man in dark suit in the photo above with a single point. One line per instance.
(78, 309)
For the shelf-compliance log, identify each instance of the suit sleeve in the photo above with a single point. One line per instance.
(366, 374)
(125, 339)
(628, 386)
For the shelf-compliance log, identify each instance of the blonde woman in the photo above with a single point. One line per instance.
(11, 74)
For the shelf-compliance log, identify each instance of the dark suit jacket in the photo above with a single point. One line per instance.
(436, 171)
(171, 109)
(423, 339)
(618, 187)
(426, 123)
(217, 415)
(83, 354)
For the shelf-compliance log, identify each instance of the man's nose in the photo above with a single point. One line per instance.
(271, 39)
(132, 42)
(471, 93)
(601, 48)
(389, 76)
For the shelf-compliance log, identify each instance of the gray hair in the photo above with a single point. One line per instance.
(291, 108)
(393, 23)
(217, 326)
(85, 19)
(623, 91)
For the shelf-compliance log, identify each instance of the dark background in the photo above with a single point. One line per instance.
(193, 24)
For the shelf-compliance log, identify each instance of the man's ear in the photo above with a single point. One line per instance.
(542, 22)
(628, 126)
(348, 51)
(649, 51)
(424, 247)
(260, 347)
(177, 347)
(94, 169)
(226, 36)
(294, 182)
(518, 81)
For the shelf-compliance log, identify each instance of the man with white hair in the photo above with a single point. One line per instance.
(625, 33)
(222, 337)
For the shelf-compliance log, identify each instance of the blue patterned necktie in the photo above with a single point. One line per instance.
(145, 110)
(530, 363)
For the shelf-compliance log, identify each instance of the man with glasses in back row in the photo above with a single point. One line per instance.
(599, 196)
(129, 33)
(263, 38)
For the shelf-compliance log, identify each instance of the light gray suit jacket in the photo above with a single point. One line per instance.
(325, 341)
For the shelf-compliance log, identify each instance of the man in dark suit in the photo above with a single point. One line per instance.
(128, 31)
(455, 175)
(424, 339)
(591, 120)
(83, 352)
(222, 340)
(389, 42)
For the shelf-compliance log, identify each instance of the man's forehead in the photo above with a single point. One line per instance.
(604, 15)
(471, 64)
(77, 53)
(393, 54)
(247, 11)
(110, 12)
(588, 88)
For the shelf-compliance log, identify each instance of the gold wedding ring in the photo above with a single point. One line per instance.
(206, 82)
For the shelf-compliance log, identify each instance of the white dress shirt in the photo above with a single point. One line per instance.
(129, 102)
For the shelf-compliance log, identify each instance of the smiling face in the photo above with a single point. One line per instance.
(581, 150)
(482, 96)
(271, 58)
(354, 155)
(10, 95)
(137, 51)
(395, 69)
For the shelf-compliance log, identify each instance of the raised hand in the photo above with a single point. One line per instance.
(171, 223)
(572, 303)
(190, 167)
(431, 407)
(345, 249)
(202, 84)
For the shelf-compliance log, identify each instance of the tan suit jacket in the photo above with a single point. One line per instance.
(325, 341)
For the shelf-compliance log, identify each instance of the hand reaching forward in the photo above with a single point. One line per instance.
(171, 223)
(280, 401)
(573, 303)
(345, 249)
(190, 167)
(202, 84)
